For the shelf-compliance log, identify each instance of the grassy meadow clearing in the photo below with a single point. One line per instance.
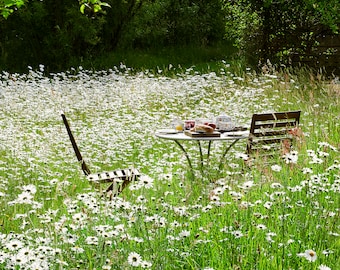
(284, 215)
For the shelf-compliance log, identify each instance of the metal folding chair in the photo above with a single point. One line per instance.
(116, 180)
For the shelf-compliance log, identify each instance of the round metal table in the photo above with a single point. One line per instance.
(233, 137)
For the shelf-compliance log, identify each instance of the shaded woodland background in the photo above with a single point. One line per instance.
(285, 32)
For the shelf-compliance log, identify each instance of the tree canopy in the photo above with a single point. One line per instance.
(61, 34)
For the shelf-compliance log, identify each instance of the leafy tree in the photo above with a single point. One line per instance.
(176, 23)
(117, 21)
(57, 34)
(47, 32)
(274, 29)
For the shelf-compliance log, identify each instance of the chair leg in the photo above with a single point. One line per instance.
(110, 190)
(123, 186)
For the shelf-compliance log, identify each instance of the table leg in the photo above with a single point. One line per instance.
(208, 157)
(201, 157)
(187, 156)
(226, 151)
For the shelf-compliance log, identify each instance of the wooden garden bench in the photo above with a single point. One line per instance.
(272, 133)
(115, 180)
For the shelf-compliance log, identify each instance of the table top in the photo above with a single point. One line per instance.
(232, 135)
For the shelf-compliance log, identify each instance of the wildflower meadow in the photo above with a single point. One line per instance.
(282, 215)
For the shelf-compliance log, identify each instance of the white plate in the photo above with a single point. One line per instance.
(236, 133)
(167, 131)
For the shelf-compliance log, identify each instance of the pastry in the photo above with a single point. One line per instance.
(202, 128)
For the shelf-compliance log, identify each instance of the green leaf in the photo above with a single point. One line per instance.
(20, 3)
(97, 8)
(82, 8)
(5, 12)
(8, 3)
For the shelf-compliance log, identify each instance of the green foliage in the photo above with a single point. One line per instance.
(276, 29)
(59, 36)
(67, 33)
(92, 6)
(242, 23)
(7, 7)
(50, 33)
(328, 12)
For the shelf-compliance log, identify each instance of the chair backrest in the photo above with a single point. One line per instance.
(75, 146)
(269, 130)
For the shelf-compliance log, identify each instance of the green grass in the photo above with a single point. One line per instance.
(204, 59)
(248, 218)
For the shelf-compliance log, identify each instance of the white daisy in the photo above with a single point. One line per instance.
(237, 234)
(146, 265)
(14, 244)
(324, 267)
(134, 259)
(309, 254)
(276, 168)
(184, 234)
